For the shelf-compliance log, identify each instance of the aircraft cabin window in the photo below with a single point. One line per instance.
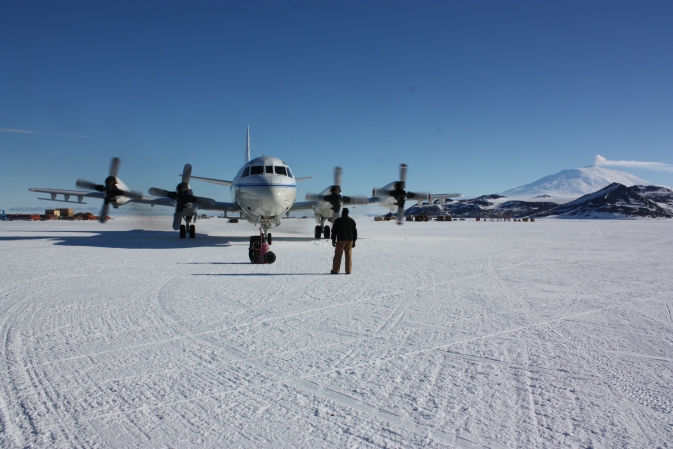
(246, 172)
(269, 169)
(257, 170)
(280, 170)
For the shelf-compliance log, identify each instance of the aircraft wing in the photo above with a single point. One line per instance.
(213, 181)
(81, 194)
(223, 206)
(77, 193)
(160, 201)
(303, 205)
(439, 196)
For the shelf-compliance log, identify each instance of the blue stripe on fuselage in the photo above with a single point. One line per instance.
(289, 186)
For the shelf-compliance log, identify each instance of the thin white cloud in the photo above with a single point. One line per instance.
(658, 166)
(19, 131)
(27, 131)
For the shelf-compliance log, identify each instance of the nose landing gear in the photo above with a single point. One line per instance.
(258, 251)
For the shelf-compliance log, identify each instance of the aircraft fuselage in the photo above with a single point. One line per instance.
(264, 189)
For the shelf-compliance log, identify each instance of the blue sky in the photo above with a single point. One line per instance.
(475, 96)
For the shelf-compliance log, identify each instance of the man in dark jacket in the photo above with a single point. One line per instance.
(344, 235)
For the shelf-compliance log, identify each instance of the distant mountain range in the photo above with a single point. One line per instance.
(602, 193)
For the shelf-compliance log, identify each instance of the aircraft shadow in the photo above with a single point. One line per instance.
(262, 274)
(141, 239)
(133, 239)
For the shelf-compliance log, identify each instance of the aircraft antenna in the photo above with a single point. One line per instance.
(247, 153)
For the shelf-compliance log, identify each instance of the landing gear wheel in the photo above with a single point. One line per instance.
(192, 231)
(318, 232)
(269, 239)
(326, 232)
(269, 257)
(183, 231)
(253, 250)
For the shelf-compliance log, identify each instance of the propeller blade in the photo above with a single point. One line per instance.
(114, 166)
(89, 185)
(104, 211)
(337, 176)
(403, 173)
(207, 202)
(400, 213)
(314, 197)
(158, 192)
(177, 219)
(186, 173)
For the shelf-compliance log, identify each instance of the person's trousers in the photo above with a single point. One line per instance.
(344, 246)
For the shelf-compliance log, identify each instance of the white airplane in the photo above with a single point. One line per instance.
(263, 190)
(394, 195)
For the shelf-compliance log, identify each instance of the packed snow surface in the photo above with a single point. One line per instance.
(447, 334)
(573, 183)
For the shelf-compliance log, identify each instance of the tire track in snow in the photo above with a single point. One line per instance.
(24, 429)
(237, 353)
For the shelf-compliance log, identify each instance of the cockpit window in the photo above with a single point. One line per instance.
(256, 170)
(246, 172)
(280, 170)
(289, 173)
(269, 169)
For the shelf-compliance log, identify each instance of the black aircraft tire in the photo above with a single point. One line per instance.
(192, 231)
(183, 231)
(318, 232)
(327, 232)
(270, 257)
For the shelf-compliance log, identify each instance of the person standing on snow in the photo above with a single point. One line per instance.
(344, 235)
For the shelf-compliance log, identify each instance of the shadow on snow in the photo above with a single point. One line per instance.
(140, 239)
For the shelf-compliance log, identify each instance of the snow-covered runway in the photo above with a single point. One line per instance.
(465, 334)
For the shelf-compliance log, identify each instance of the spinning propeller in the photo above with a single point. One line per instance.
(182, 196)
(401, 195)
(334, 196)
(110, 189)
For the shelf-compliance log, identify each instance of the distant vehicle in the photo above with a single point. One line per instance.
(3, 216)
(233, 220)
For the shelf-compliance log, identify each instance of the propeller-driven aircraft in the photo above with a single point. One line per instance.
(263, 190)
(394, 195)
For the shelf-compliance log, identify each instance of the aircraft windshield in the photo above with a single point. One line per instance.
(269, 169)
(246, 172)
(289, 172)
(280, 170)
(257, 170)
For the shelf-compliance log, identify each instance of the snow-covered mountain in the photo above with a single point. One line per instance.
(573, 183)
